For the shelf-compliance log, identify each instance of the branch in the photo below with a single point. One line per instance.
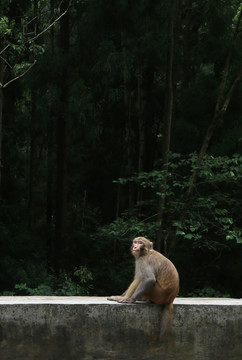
(230, 92)
(2, 51)
(6, 62)
(46, 29)
(42, 32)
(227, 64)
(32, 39)
(18, 77)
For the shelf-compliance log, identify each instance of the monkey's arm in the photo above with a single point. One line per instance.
(128, 293)
(145, 285)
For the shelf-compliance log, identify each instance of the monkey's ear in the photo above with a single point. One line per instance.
(151, 245)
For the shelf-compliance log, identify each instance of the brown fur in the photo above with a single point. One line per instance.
(156, 279)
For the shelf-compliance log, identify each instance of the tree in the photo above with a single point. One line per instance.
(22, 42)
(5, 46)
(62, 139)
(121, 90)
(167, 122)
(225, 93)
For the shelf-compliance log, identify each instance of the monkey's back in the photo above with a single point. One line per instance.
(167, 279)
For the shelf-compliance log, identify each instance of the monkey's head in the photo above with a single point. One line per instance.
(141, 246)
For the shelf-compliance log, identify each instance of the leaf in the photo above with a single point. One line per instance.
(179, 232)
(188, 236)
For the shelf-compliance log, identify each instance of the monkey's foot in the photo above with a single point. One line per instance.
(114, 298)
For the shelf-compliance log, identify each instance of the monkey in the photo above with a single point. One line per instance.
(156, 280)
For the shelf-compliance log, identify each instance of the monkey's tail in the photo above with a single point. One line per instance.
(166, 320)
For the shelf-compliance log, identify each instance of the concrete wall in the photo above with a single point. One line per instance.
(82, 328)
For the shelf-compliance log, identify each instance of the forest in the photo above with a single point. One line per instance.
(119, 119)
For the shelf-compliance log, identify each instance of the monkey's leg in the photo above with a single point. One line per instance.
(143, 287)
(132, 287)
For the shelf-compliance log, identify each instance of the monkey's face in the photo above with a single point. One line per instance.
(141, 246)
(137, 247)
(137, 244)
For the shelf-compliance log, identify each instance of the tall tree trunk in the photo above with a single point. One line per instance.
(50, 176)
(128, 126)
(168, 112)
(141, 124)
(1, 116)
(50, 153)
(61, 138)
(32, 160)
(32, 157)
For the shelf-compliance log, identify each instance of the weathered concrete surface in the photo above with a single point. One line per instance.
(88, 328)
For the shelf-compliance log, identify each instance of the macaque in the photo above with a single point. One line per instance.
(156, 280)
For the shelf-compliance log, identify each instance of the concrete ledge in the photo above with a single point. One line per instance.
(88, 328)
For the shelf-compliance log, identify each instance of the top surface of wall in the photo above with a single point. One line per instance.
(7, 300)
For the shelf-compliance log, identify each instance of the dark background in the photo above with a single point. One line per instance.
(101, 136)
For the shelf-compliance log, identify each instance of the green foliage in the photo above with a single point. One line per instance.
(213, 214)
(207, 292)
(4, 28)
(212, 224)
(77, 284)
(126, 228)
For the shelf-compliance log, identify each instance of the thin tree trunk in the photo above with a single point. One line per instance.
(141, 123)
(32, 167)
(168, 112)
(118, 201)
(32, 158)
(49, 196)
(61, 138)
(1, 116)
(128, 127)
(50, 153)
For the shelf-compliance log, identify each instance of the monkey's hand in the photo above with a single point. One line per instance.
(128, 301)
